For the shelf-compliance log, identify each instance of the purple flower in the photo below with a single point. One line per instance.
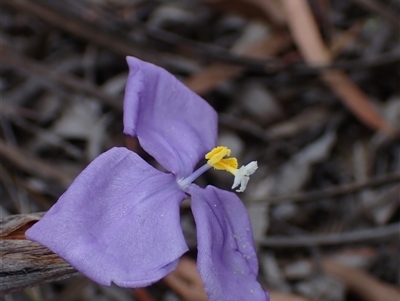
(119, 220)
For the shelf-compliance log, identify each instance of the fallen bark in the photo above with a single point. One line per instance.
(25, 263)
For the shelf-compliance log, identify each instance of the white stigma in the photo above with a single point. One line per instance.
(243, 174)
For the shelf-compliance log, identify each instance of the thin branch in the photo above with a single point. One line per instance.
(315, 53)
(362, 283)
(11, 58)
(121, 45)
(334, 191)
(391, 231)
(244, 126)
(34, 165)
(385, 13)
(208, 51)
(383, 59)
(110, 41)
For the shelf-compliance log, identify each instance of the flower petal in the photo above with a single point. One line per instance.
(118, 222)
(226, 258)
(173, 124)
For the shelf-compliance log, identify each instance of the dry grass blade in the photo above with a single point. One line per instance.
(315, 53)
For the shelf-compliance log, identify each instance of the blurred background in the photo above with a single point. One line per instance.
(309, 89)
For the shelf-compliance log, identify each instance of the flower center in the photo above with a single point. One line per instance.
(218, 158)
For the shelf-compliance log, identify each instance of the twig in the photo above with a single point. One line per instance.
(381, 10)
(23, 262)
(111, 41)
(215, 74)
(383, 59)
(47, 136)
(315, 53)
(123, 46)
(208, 51)
(243, 126)
(11, 58)
(270, 66)
(361, 283)
(334, 191)
(391, 231)
(33, 165)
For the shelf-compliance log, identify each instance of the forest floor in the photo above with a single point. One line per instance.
(308, 89)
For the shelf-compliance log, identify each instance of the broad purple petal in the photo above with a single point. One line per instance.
(226, 258)
(173, 124)
(118, 222)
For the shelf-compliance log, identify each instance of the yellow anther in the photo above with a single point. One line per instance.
(216, 158)
(228, 164)
(217, 154)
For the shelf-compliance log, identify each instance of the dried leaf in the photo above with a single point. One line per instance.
(260, 103)
(252, 34)
(186, 281)
(279, 296)
(26, 263)
(309, 118)
(14, 226)
(83, 120)
(293, 175)
(321, 287)
(216, 74)
(273, 273)
(143, 295)
(258, 213)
